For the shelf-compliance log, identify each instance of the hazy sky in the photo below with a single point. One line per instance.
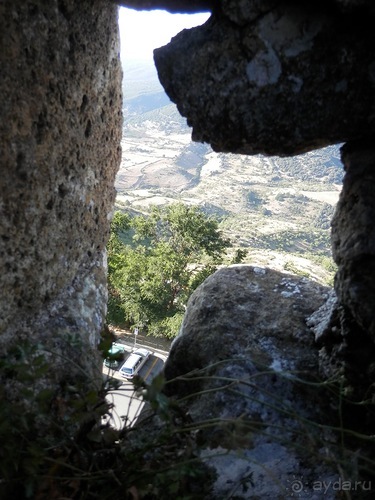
(143, 31)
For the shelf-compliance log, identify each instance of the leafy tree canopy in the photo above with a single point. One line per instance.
(155, 262)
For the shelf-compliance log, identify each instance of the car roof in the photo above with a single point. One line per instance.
(142, 352)
(131, 361)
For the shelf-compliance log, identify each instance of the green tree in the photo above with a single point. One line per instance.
(167, 254)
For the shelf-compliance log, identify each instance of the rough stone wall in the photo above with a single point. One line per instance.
(348, 343)
(353, 235)
(60, 132)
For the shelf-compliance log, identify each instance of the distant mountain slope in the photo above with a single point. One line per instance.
(139, 78)
(146, 102)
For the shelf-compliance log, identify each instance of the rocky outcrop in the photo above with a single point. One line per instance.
(273, 77)
(346, 332)
(60, 149)
(241, 310)
(353, 235)
(247, 368)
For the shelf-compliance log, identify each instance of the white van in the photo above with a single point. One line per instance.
(134, 363)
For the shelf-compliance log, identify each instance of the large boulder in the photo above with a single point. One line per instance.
(246, 367)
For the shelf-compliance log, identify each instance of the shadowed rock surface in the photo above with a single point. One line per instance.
(60, 134)
(353, 235)
(275, 78)
(252, 363)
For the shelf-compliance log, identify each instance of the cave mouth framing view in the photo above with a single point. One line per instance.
(206, 328)
(275, 211)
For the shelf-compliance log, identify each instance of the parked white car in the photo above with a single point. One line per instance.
(134, 363)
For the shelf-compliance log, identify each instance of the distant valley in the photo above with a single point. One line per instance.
(278, 209)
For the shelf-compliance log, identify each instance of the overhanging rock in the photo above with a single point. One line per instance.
(276, 79)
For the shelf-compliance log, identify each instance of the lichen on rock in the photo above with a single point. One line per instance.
(246, 364)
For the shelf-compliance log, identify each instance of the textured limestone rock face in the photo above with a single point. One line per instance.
(252, 362)
(348, 338)
(60, 133)
(353, 235)
(237, 309)
(272, 77)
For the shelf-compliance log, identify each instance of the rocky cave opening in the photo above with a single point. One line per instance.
(270, 77)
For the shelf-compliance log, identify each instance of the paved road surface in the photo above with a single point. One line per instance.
(127, 406)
